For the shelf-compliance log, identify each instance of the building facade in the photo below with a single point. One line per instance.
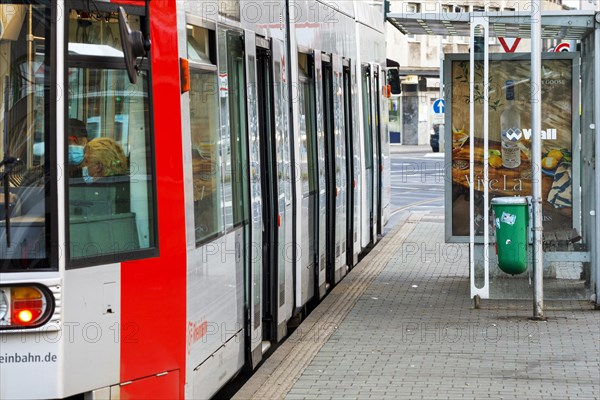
(419, 58)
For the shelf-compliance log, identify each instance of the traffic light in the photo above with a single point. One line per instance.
(393, 77)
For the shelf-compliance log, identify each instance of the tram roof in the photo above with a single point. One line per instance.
(564, 25)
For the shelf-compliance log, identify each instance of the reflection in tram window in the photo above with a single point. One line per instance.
(282, 143)
(366, 101)
(206, 173)
(282, 138)
(110, 189)
(25, 185)
(306, 106)
(233, 127)
(207, 146)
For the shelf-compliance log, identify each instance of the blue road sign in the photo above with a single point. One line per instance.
(439, 106)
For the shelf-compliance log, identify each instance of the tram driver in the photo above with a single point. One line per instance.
(104, 157)
(76, 141)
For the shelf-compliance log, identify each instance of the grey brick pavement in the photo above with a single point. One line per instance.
(412, 333)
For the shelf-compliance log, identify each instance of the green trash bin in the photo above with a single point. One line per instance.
(511, 219)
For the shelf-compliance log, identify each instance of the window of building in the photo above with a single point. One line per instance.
(459, 8)
(447, 9)
(229, 9)
(412, 7)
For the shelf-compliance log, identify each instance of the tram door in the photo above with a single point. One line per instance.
(266, 121)
(378, 166)
(322, 273)
(254, 243)
(367, 103)
(339, 168)
(330, 187)
(350, 178)
(308, 167)
(335, 169)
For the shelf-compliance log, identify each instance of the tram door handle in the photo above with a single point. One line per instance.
(238, 247)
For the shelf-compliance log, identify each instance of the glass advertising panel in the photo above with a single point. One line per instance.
(510, 161)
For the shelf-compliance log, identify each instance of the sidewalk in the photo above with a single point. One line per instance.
(401, 326)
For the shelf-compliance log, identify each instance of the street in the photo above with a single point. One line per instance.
(417, 179)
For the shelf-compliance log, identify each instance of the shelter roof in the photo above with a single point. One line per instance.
(563, 25)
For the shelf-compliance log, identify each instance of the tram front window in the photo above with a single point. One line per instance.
(108, 151)
(25, 190)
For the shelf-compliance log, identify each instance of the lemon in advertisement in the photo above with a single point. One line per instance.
(549, 162)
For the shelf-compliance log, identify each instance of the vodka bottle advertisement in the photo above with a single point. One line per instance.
(510, 128)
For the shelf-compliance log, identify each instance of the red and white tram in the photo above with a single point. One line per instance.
(180, 180)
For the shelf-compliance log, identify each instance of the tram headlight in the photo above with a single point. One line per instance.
(25, 306)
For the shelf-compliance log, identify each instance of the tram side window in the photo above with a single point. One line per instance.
(366, 100)
(26, 181)
(306, 106)
(232, 95)
(282, 139)
(206, 140)
(108, 151)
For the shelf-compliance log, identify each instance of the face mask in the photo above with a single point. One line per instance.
(75, 154)
(86, 177)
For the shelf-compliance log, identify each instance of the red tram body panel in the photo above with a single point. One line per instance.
(153, 289)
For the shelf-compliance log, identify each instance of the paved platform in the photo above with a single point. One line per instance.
(401, 326)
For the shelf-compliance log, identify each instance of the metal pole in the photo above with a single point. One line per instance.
(596, 250)
(474, 291)
(441, 126)
(30, 89)
(478, 23)
(4, 157)
(441, 54)
(486, 177)
(536, 152)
